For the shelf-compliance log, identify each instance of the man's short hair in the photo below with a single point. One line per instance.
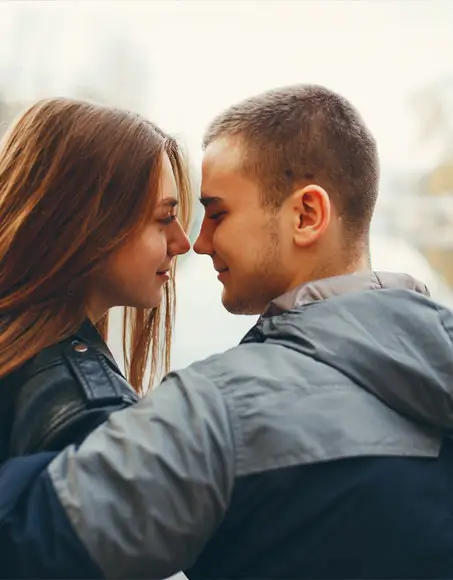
(302, 134)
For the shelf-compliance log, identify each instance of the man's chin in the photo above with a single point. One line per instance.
(238, 305)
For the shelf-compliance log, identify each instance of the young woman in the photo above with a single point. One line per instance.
(89, 204)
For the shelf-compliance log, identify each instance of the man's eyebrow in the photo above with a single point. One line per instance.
(207, 200)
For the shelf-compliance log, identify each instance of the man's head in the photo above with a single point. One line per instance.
(289, 185)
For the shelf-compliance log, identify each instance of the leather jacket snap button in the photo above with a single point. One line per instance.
(80, 347)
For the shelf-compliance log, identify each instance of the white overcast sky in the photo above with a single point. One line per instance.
(205, 54)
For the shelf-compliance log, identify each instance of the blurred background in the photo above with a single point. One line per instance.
(181, 62)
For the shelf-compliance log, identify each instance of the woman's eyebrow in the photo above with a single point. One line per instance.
(169, 201)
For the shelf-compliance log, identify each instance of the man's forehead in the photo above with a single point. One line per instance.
(224, 155)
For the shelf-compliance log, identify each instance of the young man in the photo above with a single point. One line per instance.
(318, 447)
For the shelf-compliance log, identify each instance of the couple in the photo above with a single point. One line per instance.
(317, 448)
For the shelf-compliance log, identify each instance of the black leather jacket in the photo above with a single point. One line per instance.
(61, 395)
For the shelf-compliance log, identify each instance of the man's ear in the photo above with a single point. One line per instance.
(311, 211)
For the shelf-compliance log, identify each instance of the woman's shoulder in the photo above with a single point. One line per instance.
(65, 392)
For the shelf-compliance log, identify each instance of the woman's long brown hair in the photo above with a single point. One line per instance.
(76, 181)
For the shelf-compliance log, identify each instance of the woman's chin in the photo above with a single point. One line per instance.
(147, 302)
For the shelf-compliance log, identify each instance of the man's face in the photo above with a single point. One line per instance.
(246, 241)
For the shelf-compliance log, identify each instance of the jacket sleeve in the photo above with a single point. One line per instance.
(31, 518)
(142, 495)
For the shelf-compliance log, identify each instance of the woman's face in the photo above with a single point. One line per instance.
(136, 273)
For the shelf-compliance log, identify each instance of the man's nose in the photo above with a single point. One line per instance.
(198, 245)
(202, 244)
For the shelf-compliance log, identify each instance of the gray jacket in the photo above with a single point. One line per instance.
(351, 367)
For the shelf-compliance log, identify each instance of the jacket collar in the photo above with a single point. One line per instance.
(329, 287)
(90, 335)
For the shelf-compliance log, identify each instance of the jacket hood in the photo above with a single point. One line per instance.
(381, 330)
